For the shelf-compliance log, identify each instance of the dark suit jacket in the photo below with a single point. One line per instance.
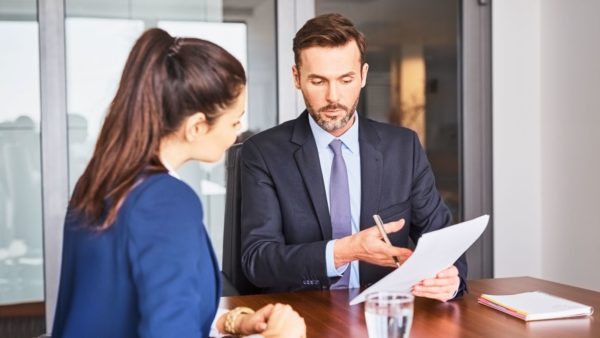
(285, 217)
(152, 274)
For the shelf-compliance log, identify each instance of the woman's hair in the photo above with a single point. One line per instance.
(165, 80)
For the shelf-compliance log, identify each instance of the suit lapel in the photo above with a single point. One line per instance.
(371, 172)
(307, 160)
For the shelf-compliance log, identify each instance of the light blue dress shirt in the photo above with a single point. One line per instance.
(351, 153)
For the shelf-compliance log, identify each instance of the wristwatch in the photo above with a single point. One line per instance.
(232, 316)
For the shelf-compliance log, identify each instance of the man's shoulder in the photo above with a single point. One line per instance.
(279, 135)
(387, 131)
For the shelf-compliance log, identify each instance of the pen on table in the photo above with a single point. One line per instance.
(379, 224)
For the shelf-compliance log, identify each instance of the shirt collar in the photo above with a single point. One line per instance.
(323, 138)
(171, 171)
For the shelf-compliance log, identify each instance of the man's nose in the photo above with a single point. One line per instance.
(332, 93)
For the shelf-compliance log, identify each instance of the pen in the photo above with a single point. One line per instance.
(379, 224)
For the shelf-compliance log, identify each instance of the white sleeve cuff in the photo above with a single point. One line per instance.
(329, 260)
(455, 292)
(214, 332)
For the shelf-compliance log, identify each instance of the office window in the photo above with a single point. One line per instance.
(413, 80)
(21, 250)
(99, 36)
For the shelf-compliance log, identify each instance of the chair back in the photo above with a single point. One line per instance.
(232, 243)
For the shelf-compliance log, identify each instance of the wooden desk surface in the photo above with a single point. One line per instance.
(327, 313)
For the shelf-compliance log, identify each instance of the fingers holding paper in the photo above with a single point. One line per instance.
(442, 287)
(368, 246)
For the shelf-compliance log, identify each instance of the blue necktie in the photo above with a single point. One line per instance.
(339, 203)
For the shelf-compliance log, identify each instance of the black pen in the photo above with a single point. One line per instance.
(379, 224)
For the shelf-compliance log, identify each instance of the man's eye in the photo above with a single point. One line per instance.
(347, 80)
(317, 82)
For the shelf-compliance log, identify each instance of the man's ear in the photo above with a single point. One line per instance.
(364, 71)
(196, 126)
(296, 74)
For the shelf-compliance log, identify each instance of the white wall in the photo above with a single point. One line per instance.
(516, 137)
(546, 64)
(570, 78)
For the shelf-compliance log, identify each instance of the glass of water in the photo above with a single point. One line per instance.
(389, 314)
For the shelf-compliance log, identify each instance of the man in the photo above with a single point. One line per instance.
(311, 186)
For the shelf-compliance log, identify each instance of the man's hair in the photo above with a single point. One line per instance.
(328, 30)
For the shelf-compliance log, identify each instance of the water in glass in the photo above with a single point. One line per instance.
(389, 314)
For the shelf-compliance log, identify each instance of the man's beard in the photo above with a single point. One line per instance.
(331, 125)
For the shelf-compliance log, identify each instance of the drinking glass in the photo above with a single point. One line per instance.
(389, 314)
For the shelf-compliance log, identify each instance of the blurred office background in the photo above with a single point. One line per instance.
(503, 95)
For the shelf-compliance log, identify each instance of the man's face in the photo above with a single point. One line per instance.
(330, 79)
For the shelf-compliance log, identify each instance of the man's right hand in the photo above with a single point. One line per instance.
(368, 246)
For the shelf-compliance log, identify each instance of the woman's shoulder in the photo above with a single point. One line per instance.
(161, 188)
(159, 201)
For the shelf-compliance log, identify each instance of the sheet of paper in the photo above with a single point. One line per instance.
(435, 251)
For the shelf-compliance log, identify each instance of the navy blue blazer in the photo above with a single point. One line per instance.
(152, 274)
(285, 217)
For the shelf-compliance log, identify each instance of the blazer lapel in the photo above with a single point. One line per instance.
(307, 160)
(371, 172)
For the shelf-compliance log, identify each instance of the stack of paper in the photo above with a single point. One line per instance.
(535, 306)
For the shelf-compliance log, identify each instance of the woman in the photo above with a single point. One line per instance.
(137, 260)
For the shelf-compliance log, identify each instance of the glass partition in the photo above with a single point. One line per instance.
(99, 35)
(21, 250)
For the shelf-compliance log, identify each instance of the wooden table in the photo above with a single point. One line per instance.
(327, 313)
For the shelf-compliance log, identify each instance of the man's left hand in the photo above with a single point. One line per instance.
(442, 287)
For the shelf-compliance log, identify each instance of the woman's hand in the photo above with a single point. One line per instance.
(285, 322)
(255, 322)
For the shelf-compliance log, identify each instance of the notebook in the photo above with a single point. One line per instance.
(535, 305)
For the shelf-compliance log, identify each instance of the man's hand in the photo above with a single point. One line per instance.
(442, 287)
(368, 246)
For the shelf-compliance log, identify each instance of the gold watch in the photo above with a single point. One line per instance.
(232, 316)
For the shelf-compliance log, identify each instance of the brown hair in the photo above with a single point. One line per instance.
(328, 30)
(165, 80)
